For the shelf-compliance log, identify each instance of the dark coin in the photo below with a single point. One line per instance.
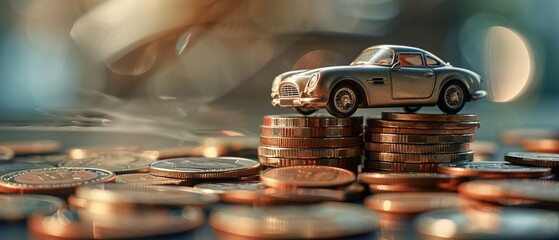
(533, 159)
(311, 142)
(315, 132)
(429, 117)
(512, 191)
(400, 167)
(117, 162)
(222, 187)
(52, 181)
(418, 139)
(419, 158)
(331, 220)
(421, 125)
(412, 203)
(205, 168)
(493, 170)
(20, 207)
(314, 121)
(413, 131)
(409, 179)
(507, 223)
(13, 167)
(307, 177)
(417, 148)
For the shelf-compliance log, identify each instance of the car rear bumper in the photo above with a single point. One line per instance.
(300, 102)
(478, 95)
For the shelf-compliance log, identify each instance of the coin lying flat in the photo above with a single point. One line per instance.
(507, 223)
(52, 159)
(6, 154)
(533, 159)
(418, 139)
(307, 177)
(311, 142)
(148, 179)
(52, 181)
(222, 187)
(409, 179)
(117, 162)
(400, 167)
(20, 207)
(305, 153)
(512, 191)
(331, 220)
(412, 203)
(32, 147)
(13, 167)
(419, 158)
(497, 169)
(205, 168)
(274, 196)
(346, 163)
(429, 117)
(71, 225)
(421, 125)
(541, 145)
(314, 132)
(314, 121)
(146, 195)
(414, 131)
(417, 148)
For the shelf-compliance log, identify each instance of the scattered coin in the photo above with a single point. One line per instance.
(32, 147)
(412, 203)
(205, 168)
(51, 159)
(20, 207)
(520, 135)
(507, 223)
(311, 132)
(541, 145)
(307, 177)
(417, 148)
(533, 159)
(146, 195)
(495, 169)
(14, 167)
(419, 158)
(401, 167)
(85, 152)
(314, 121)
(6, 153)
(272, 196)
(305, 153)
(222, 187)
(288, 142)
(148, 179)
(117, 162)
(52, 181)
(331, 220)
(512, 191)
(429, 117)
(418, 139)
(409, 179)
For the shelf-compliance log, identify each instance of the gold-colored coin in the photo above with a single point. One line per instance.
(306, 153)
(311, 142)
(417, 148)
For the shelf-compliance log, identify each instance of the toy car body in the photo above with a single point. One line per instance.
(381, 76)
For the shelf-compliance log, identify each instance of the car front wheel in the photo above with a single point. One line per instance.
(305, 110)
(343, 102)
(452, 98)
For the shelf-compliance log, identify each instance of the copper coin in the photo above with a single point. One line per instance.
(20, 207)
(307, 176)
(14, 167)
(273, 196)
(148, 179)
(541, 145)
(512, 191)
(429, 117)
(408, 179)
(495, 169)
(417, 148)
(312, 121)
(413, 131)
(371, 122)
(329, 220)
(306, 153)
(85, 152)
(400, 167)
(419, 158)
(222, 187)
(6, 153)
(52, 181)
(519, 135)
(311, 142)
(507, 223)
(381, 188)
(146, 195)
(71, 225)
(117, 162)
(52, 159)
(205, 168)
(32, 147)
(346, 163)
(418, 139)
(311, 132)
(412, 203)
(533, 159)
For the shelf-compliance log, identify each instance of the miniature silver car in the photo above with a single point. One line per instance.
(382, 76)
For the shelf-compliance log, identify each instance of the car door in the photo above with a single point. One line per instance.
(413, 80)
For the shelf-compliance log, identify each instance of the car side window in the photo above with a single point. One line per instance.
(431, 62)
(410, 60)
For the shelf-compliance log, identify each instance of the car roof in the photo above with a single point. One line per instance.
(402, 48)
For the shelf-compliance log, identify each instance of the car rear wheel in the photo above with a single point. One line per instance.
(412, 109)
(305, 110)
(343, 102)
(452, 98)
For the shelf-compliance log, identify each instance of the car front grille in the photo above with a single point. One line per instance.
(289, 91)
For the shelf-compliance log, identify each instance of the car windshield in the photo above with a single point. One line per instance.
(377, 56)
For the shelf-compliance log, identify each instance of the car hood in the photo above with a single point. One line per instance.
(300, 79)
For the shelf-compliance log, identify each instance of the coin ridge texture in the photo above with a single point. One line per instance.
(418, 139)
(371, 122)
(112, 161)
(419, 158)
(395, 116)
(495, 169)
(411, 131)
(309, 152)
(313, 121)
(417, 148)
(400, 167)
(307, 176)
(533, 159)
(310, 142)
(315, 132)
(205, 168)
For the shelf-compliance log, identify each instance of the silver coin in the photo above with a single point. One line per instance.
(330, 220)
(207, 168)
(117, 162)
(533, 159)
(496, 169)
(507, 223)
(20, 207)
(222, 187)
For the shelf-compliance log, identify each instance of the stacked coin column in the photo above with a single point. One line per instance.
(402, 142)
(318, 140)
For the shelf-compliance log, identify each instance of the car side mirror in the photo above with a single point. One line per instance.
(396, 66)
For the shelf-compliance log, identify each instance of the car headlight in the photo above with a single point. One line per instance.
(275, 83)
(313, 80)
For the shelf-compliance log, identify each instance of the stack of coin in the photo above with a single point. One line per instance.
(288, 140)
(410, 182)
(404, 142)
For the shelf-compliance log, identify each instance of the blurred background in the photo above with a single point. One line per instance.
(188, 70)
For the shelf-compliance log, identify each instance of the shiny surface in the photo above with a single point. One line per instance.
(223, 167)
(413, 203)
(20, 207)
(494, 169)
(117, 162)
(307, 176)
